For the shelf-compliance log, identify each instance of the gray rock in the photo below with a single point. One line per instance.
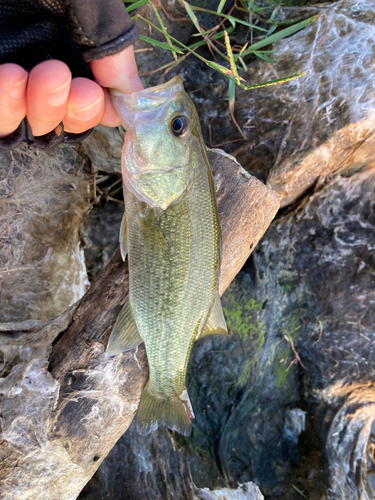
(324, 122)
(247, 491)
(44, 197)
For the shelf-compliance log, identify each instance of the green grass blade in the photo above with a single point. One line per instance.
(284, 23)
(191, 14)
(245, 23)
(216, 36)
(165, 32)
(189, 49)
(230, 18)
(137, 4)
(274, 12)
(244, 67)
(272, 82)
(280, 35)
(220, 6)
(271, 30)
(232, 99)
(221, 69)
(159, 44)
(300, 492)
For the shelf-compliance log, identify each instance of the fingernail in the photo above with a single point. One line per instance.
(135, 83)
(85, 114)
(58, 96)
(17, 90)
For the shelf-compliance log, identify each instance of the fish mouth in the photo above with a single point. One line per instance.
(146, 100)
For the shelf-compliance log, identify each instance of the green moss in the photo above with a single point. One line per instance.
(242, 318)
(288, 281)
(252, 305)
(281, 372)
(296, 319)
(260, 341)
(245, 375)
(236, 322)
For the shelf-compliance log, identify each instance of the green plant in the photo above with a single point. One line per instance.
(255, 18)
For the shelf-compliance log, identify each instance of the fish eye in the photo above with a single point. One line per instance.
(179, 126)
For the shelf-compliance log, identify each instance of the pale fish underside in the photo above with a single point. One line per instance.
(171, 234)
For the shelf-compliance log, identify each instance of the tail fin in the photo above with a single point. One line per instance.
(174, 412)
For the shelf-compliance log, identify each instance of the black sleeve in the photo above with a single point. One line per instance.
(73, 31)
(100, 28)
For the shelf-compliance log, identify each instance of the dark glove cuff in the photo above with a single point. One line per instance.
(113, 47)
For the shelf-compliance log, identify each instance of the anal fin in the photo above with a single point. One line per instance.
(125, 334)
(123, 237)
(215, 324)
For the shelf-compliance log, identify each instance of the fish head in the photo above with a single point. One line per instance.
(162, 131)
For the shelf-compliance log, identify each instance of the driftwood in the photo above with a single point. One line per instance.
(58, 429)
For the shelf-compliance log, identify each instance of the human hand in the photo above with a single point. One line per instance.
(48, 95)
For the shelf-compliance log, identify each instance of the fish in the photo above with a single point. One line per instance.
(171, 236)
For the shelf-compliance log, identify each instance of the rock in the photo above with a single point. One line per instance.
(44, 197)
(313, 272)
(247, 491)
(321, 123)
(103, 146)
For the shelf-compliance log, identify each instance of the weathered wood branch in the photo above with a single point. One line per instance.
(61, 419)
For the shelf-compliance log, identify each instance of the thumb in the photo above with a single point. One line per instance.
(118, 72)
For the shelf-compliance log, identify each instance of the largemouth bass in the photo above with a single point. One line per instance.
(171, 234)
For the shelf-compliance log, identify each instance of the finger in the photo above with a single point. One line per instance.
(85, 106)
(13, 81)
(110, 117)
(47, 95)
(118, 72)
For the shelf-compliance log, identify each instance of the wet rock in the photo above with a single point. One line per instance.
(100, 236)
(103, 146)
(319, 124)
(315, 272)
(44, 197)
(247, 491)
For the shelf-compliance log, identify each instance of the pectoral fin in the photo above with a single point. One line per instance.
(123, 237)
(216, 323)
(125, 334)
